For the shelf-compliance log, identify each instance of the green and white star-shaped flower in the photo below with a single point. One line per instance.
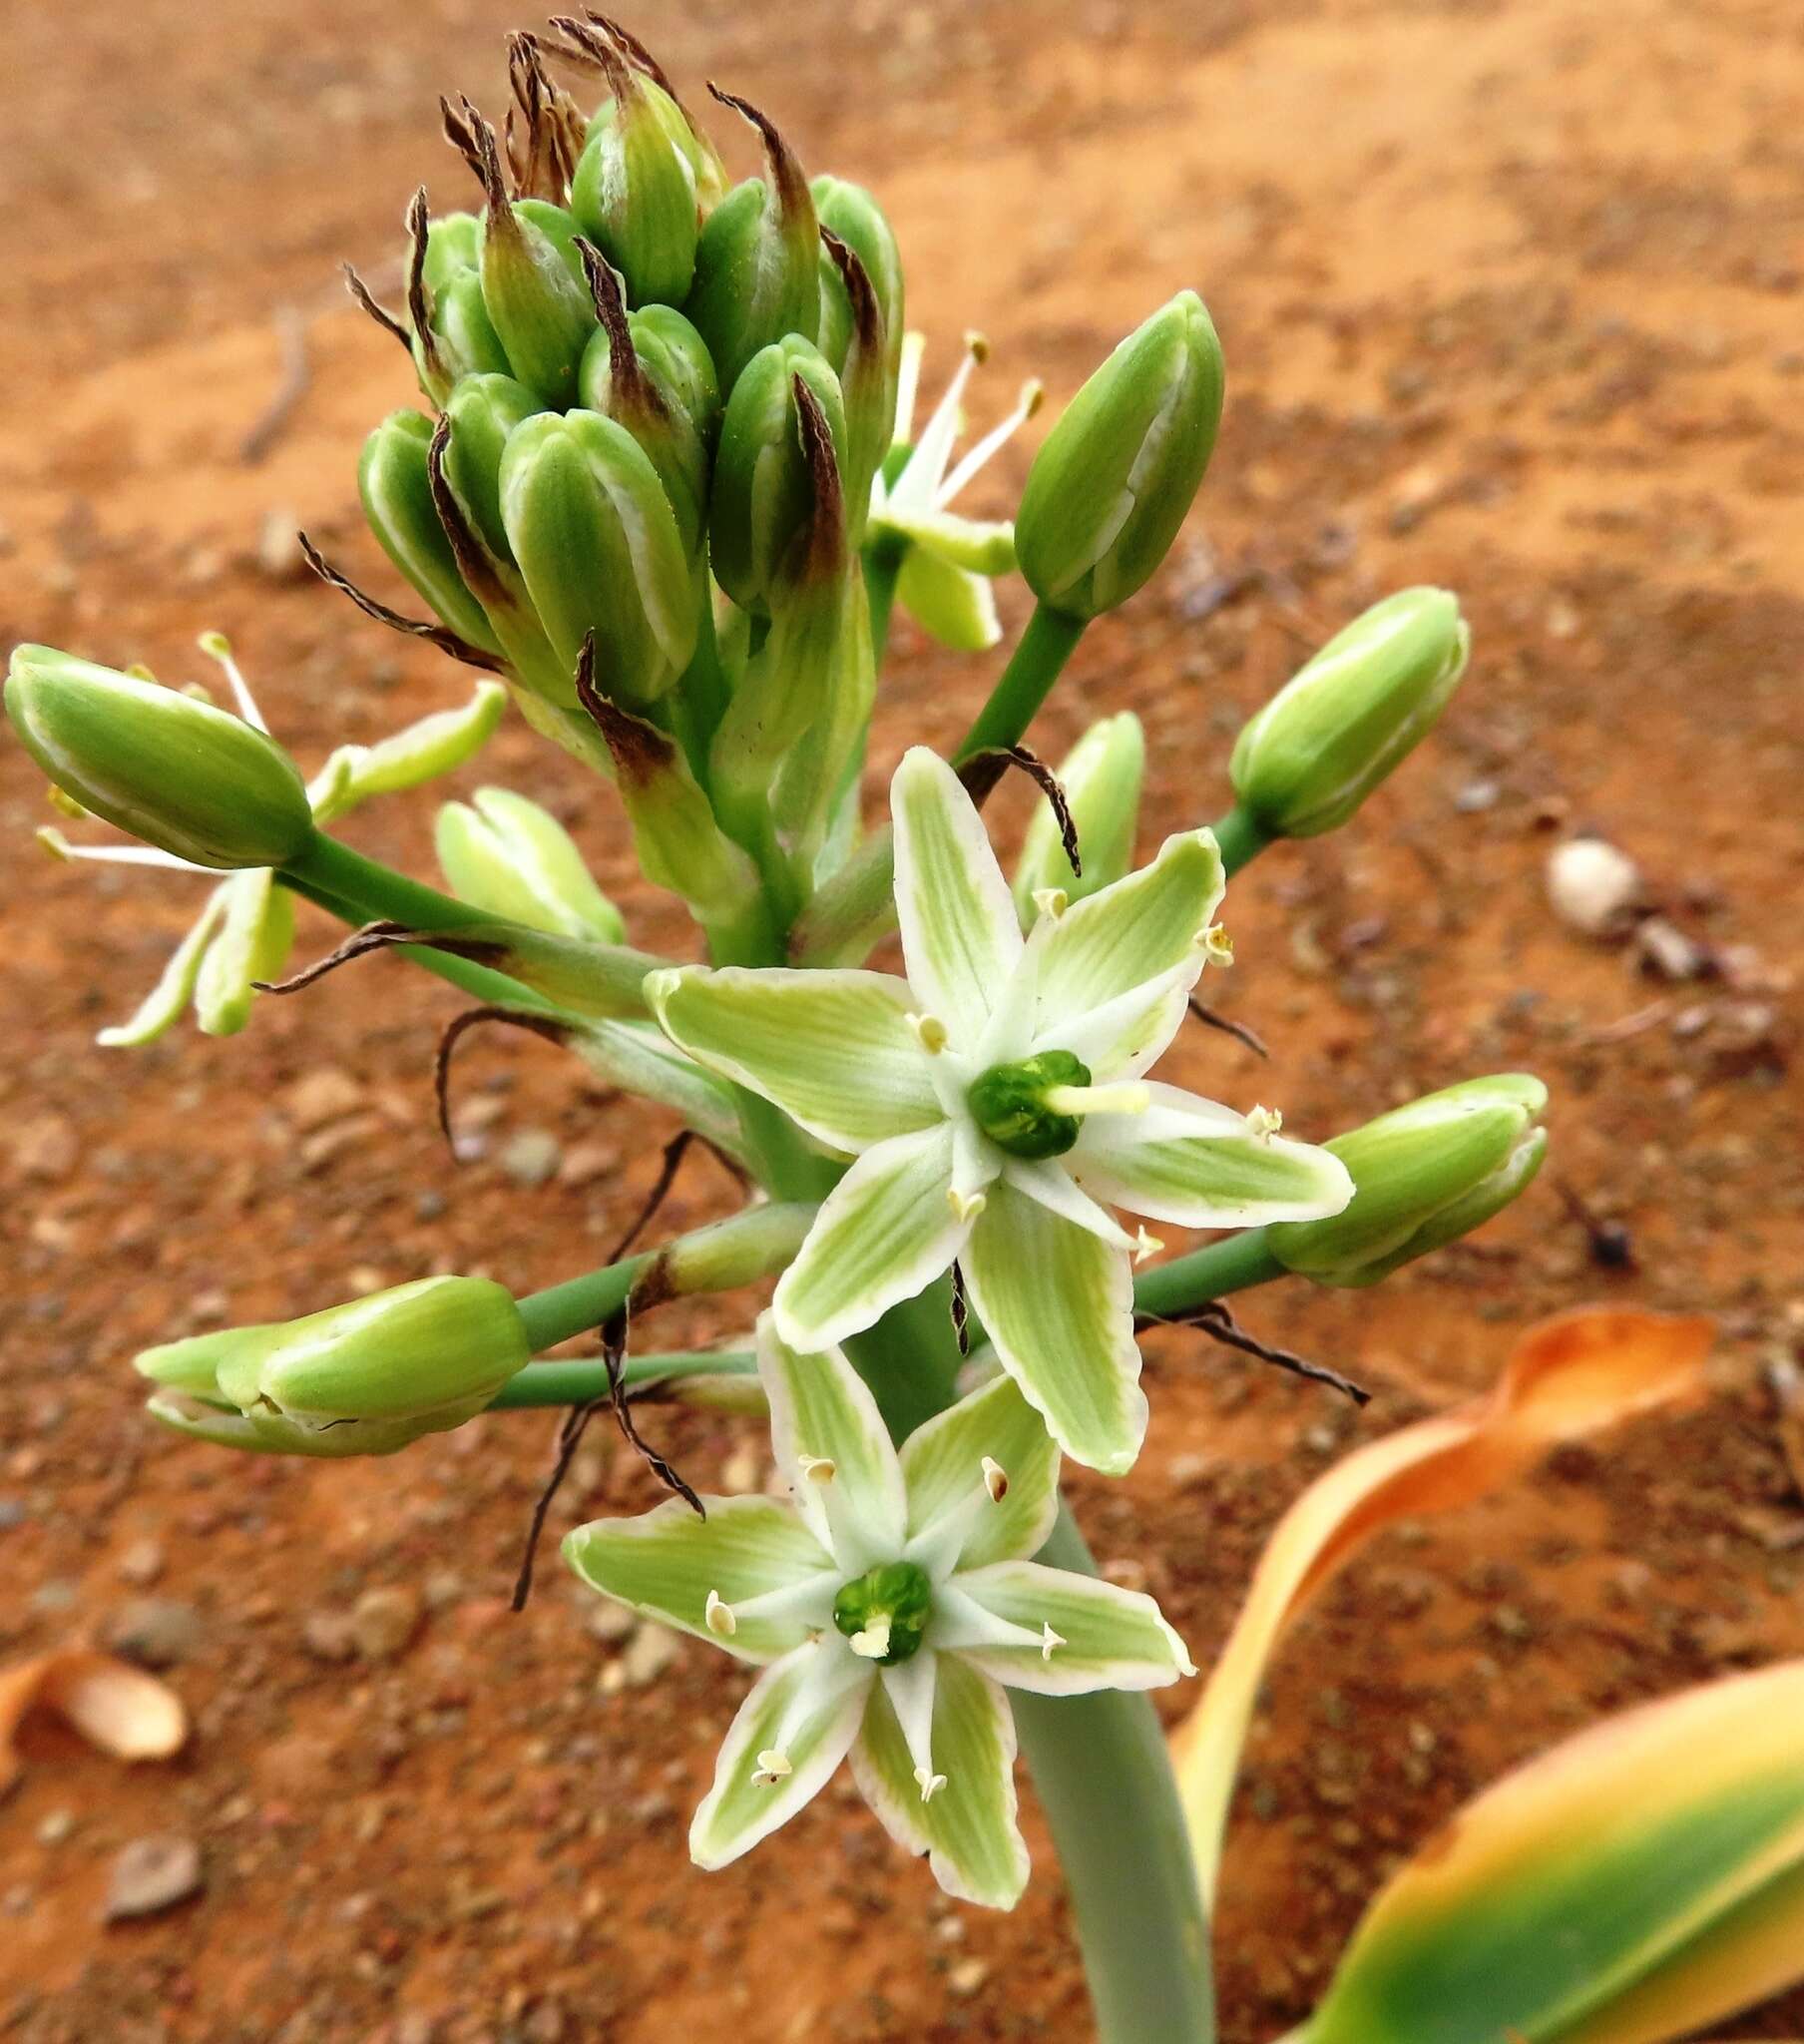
(996, 1106)
(888, 1608)
(946, 572)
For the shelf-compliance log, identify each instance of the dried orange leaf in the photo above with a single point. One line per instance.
(114, 1706)
(1635, 1885)
(1566, 1376)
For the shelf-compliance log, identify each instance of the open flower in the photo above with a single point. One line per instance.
(888, 1606)
(944, 582)
(995, 1099)
(247, 926)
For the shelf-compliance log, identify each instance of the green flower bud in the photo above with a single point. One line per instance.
(483, 411)
(757, 263)
(646, 375)
(863, 382)
(363, 1378)
(186, 778)
(394, 481)
(1115, 476)
(634, 194)
(448, 323)
(597, 540)
(1101, 777)
(849, 211)
(884, 1611)
(769, 502)
(1307, 760)
(706, 171)
(1423, 1176)
(507, 855)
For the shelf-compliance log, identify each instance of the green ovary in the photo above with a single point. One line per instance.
(1008, 1102)
(885, 1611)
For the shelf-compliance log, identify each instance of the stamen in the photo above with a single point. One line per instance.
(773, 1766)
(921, 481)
(1217, 945)
(996, 1480)
(929, 1784)
(1049, 1640)
(930, 1033)
(908, 384)
(977, 457)
(872, 1642)
(1128, 1097)
(218, 647)
(1264, 1122)
(965, 1205)
(59, 846)
(718, 1617)
(817, 1468)
(1145, 1246)
(1050, 902)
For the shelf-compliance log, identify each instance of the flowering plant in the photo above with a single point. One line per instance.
(665, 494)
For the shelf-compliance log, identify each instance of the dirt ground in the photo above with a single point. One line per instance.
(1511, 296)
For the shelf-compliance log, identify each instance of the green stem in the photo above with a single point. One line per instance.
(1235, 1264)
(882, 565)
(1035, 665)
(909, 1359)
(1240, 838)
(579, 1304)
(579, 1381)
(1104, 1778)
(375, 890)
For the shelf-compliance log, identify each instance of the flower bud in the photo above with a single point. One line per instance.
(363, 1378)
(1115, 476)
(507, 855)
(849, 211)
(652, 376)
(1423, 1176)
(394, 481)
(451, 333)
(634, 194)
(768, 501)
(757, 263)
(1307, 760)
(483, 411)
(186, 778)
(597, 540)
(706, 171)
(1101, 777)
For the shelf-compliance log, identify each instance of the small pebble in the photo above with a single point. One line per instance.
(650, 1649)
(142, 1563)
(1594, 887)
(152, 1875)
(384, 1621)
(155, 1632)
(531, 1157)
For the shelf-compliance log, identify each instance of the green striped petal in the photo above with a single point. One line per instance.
(1140, 929)
(833, 1050)
(955, 1520)
(804, 1709)
(968, 1827)
(253, 943)
(1201, 1165)
(949, 603)
(834, 1450)
(162, 1007)
(1055, 1633)
(754, 1556)
(960, 934)
(1057, 1303)
(884, 1233)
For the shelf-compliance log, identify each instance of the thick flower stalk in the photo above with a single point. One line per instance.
(996, 1103)
(889, 1604)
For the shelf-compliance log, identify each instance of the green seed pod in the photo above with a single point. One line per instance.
(1117, 475)
(507, 855)
(186, 778)
(634, 194)
(394, 482)
(365, 1377)
(1102, 776)
(1350, 715)
(597, 540)
(1423, 1176)
(849, 211)
(766, 506)
(648, 390)
(757, 263)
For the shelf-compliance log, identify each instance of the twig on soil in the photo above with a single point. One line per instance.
(296, 375)
(1238, 1030)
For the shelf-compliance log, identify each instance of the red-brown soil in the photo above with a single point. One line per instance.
(1511, 298)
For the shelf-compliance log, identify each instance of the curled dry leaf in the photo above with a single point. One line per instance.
(1566, 1376)
(114, 1706)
